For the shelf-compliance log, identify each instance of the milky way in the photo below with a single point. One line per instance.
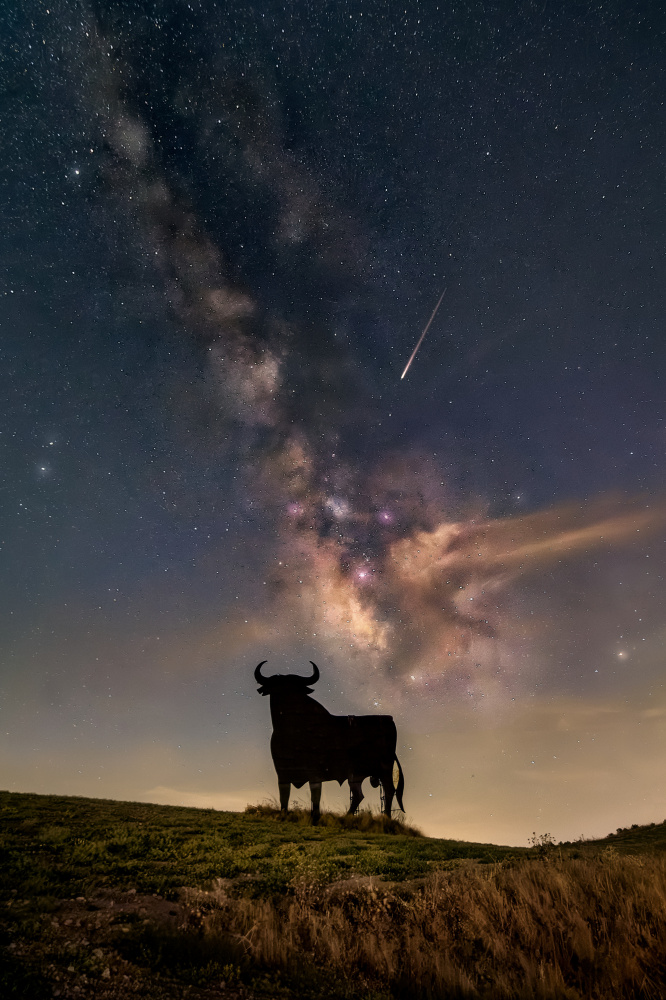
(368, 559)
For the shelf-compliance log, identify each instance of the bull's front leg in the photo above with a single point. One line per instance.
(315, 792)
(285, 789)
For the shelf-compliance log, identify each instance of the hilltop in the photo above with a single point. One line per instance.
(118, 899)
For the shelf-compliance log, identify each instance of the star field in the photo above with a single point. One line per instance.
(225, 228)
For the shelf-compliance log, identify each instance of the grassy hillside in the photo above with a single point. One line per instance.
(111, 899)
(631, 840)
(79, 844)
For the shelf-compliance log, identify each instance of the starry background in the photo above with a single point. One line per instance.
(224, 228)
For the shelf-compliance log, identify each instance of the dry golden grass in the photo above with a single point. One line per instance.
(546, 928)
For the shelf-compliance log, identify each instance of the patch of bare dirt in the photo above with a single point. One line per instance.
(76, 950)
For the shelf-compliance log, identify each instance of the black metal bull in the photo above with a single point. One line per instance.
(309, 744)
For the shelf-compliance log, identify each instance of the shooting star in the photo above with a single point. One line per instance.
(425, 330)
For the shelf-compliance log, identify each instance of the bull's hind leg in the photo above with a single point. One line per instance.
(356, 795)
(388, 789)
(315, 792)
(285, 788)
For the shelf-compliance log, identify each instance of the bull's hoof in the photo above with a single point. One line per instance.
(374, 782)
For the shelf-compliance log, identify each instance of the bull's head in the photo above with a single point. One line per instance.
(285, 683)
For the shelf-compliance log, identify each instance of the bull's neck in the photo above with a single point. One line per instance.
(287, 709)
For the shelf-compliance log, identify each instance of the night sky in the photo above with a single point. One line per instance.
(224, 228)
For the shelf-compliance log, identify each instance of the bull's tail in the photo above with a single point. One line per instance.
(401, 784)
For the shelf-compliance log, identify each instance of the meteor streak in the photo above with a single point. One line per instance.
(420, 340)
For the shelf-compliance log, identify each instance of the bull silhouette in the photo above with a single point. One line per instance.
(309, 744)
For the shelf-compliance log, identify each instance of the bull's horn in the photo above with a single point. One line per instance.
(315, 675)
(257, 673)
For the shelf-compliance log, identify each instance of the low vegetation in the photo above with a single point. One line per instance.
(111, 899)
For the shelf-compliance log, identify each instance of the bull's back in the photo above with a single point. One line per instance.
(377, 733)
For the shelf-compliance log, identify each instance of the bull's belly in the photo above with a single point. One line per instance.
(298, 773)
(341, 750)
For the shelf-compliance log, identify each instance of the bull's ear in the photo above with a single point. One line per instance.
(263, 689)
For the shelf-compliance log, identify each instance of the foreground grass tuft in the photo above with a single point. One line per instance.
(364, 821)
